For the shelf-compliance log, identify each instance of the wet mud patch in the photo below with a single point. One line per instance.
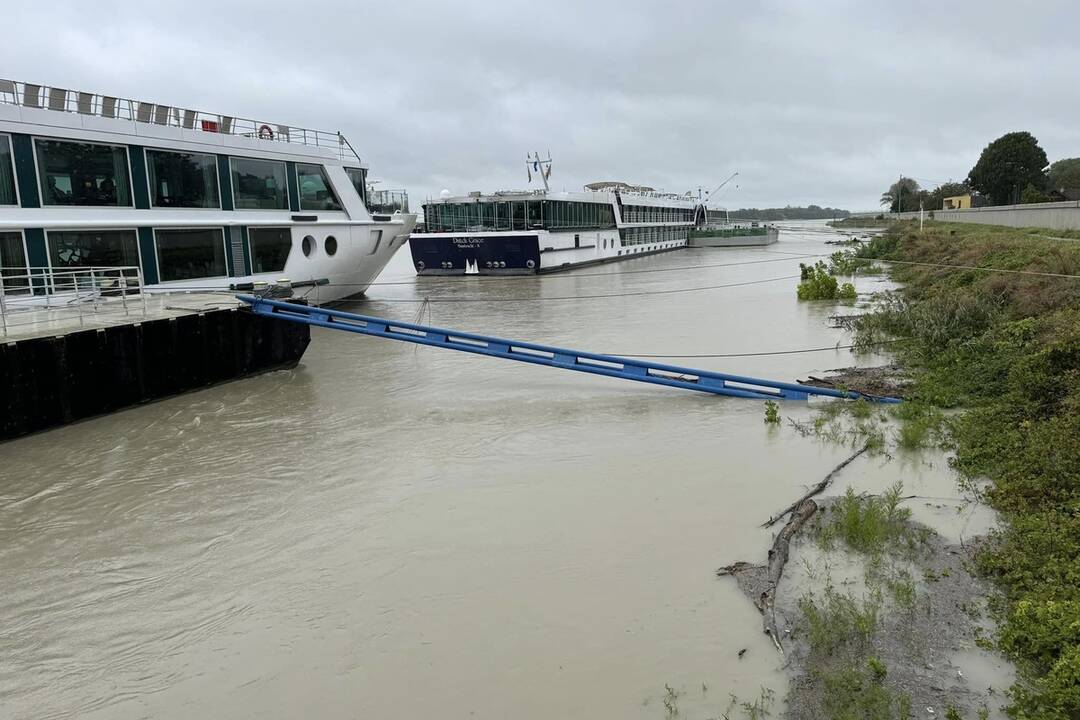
(879, 616)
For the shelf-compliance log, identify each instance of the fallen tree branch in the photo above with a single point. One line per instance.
(765, 600)
(816, 489)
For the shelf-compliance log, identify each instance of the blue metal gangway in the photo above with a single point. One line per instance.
(609, 365)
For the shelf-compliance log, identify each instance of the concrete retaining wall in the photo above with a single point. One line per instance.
(1053, 216)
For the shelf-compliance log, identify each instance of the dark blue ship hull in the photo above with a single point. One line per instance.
(510, 254)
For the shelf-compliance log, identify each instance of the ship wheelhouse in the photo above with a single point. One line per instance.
(185, 198)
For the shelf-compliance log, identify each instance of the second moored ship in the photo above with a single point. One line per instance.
(526, 232)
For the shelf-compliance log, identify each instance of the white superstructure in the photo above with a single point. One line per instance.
(196, 200)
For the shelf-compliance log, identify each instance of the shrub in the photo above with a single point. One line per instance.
(772, 413)
(1042, 630)
(817, 283)
(844, 262)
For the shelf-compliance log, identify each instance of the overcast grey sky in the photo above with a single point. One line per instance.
(820, 102)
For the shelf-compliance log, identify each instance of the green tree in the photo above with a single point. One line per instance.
(904, 192)
(1007, 165)
(1064, 174)
(1033, 194)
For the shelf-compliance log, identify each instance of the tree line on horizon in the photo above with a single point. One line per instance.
(1011, 170)
(810, 212)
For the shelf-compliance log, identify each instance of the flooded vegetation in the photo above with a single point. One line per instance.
(1003, 345)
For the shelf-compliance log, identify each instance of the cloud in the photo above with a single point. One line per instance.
(823, 102)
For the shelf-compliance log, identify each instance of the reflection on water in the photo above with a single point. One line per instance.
(399, 531)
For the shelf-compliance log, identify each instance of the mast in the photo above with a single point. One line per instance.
(543, 167)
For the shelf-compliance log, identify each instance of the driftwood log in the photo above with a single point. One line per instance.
(765, 601)
(765, 579)
(820, 487)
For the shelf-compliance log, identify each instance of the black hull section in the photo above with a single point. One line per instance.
(46, 382)
(487, 255)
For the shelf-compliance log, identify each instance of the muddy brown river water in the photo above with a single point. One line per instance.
(397, 531)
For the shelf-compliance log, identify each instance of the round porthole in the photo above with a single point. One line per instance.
(308, 245)
(330, 245)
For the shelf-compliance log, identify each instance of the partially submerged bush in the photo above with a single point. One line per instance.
(817, 283)
(849, 262)
(772, 413)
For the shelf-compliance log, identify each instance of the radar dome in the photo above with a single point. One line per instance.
(444, 194)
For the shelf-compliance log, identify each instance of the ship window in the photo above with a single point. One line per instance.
(307, 246)
(191, 253)
(358, 178)
(331, 245)
(315, 191)
(85, 248)
(269, 249)
(258, 184)
(7, 173)
(13, 263)
(185, 180)
(376, 235)
(82, 173)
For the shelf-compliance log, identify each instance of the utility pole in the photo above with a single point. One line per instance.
(899, 195)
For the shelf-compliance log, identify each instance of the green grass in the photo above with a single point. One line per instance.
(869, 524)
(1005, 348)
(837, 620)
(839, 629)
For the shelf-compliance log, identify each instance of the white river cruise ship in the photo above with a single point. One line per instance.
(526, 232)
(193, 200)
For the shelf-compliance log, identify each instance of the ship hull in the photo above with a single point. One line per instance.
(524, 253)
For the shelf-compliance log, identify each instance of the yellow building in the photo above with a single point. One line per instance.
(957, 202)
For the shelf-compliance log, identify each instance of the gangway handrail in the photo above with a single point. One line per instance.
(598, 364)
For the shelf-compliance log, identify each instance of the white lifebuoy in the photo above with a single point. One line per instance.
(266, 132)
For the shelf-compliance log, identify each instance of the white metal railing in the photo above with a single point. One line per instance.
(45, 97)
(41, 295)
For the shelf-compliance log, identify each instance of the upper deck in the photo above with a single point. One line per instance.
(557, 211)
(650, 198)
(65, 111)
